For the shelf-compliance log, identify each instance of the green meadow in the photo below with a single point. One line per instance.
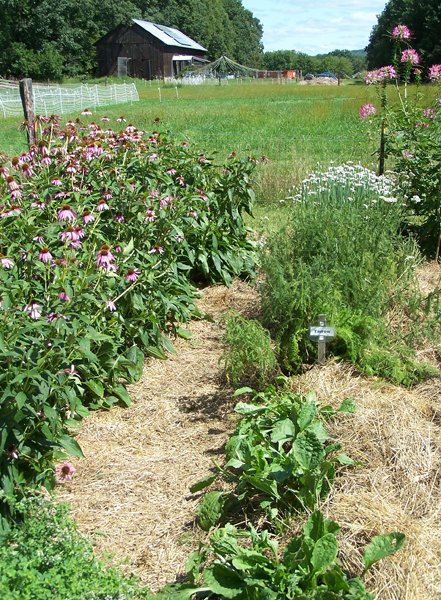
(295, 126)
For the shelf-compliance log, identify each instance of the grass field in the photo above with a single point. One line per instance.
(295, 126)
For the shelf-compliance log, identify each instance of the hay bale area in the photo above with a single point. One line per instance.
(396, 436)
(131, 492)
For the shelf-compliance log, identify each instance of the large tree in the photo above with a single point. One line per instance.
(422, 17)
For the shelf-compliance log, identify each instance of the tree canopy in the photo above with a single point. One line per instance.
(422, 17)
(340, 62)
(51, 39)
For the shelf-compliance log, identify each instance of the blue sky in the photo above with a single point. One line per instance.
(315, 26)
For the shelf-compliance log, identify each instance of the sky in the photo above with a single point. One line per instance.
(315, 26)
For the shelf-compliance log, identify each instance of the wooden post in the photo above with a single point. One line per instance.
(27, 100)
(382, 149)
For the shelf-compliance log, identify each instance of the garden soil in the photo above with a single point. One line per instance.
(131, 491)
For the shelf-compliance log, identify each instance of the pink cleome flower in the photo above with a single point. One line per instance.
(366, 111)
(410, 56)
(65, 472)
(401, 32)
(380, 75)
(435, 73)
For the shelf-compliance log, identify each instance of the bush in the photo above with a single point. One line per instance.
(103, 235)
(45, 557)
(248, 354)
(342, 255)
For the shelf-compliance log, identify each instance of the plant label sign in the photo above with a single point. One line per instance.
(320, 333)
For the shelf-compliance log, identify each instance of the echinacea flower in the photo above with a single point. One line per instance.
(34, 310)
(65, 472)
(64, 296)
(401, 32)
(7, 263)
(88, 217)
(102, 205)
(66, 213)
(45, 256)
(86, 112)
(110, 305)
(132, 274)
(105, 258)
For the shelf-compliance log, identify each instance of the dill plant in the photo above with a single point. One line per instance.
(341, 253)
(248, 355)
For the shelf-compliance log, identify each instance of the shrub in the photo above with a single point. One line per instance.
(342, 255)
(44, 556)
(248, 354)
(102, 236)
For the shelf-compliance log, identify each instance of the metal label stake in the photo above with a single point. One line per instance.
(321, 333)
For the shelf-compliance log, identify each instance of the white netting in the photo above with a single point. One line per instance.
(62, 99)
(223, 67)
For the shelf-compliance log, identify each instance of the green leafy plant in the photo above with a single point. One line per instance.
(246, 565)
(248, 356)
(279, 458)
(43, 556)
(342, 254)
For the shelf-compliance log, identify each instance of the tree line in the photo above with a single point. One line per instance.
(52, 39)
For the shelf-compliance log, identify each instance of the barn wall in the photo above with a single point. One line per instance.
(149, 58)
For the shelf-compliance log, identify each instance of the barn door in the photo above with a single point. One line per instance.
(123, 64)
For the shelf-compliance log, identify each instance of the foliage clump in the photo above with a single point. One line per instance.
(248, 356)
(342, 254)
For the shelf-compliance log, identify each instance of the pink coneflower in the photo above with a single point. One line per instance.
(76, 244)
(34, 310)
(53, 316)
(157, 249)
(88, 217)
(150, 215)
(6, 262)
(38, 204)
(27, 170)
(118, 249)
(86, 112)
(105, 258)
(153, 157)
(105, 119)
(435, 73)
(401, 32)
(46, 161)
(203, 196)
(130, 128)
(56, 181)
(12, 184)
(264, 159)
(65, 472)
(45, 256)
(180, 179)
(13, 211)
(121, 120)
(66, 213)
(165, 201)
(69, 235)
(132, 274)
(102, 205)
(119, 218)
(110, 305)
(367, 110)
(71, 168)
(12, 452)
(71, 371)
(410, 56)
(107, 195)
(171, 171)
(64, 296)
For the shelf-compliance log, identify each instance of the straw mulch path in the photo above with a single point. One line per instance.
(131, 493)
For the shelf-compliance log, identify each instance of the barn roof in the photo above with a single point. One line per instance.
(169, 36)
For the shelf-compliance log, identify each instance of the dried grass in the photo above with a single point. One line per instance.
(132, 496)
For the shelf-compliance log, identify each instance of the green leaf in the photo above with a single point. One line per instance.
(344, 459)
(129, 248)
(283, 431)
(243, 390)
(96, 387)
(264, 485)
(224, 581)
(202, 483)
(307, 413)
(381, 546)
(71, 446)
(249, 409)
(210, 510)
(20, 400)
(121, 392)
(324, 553)
(308, 450)
(156, 352)
(348, 406)
(184, 333)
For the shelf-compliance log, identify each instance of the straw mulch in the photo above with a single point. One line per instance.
(131, 493)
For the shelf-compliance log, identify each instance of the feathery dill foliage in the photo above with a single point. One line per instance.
(248, 356)
(342, 254)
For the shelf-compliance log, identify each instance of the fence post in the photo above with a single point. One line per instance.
(27, 100)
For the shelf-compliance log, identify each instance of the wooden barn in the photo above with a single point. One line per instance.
(147, 50)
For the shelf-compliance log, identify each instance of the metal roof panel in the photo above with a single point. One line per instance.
(169, 36)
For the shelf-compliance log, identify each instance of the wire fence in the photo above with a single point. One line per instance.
(63, 99)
